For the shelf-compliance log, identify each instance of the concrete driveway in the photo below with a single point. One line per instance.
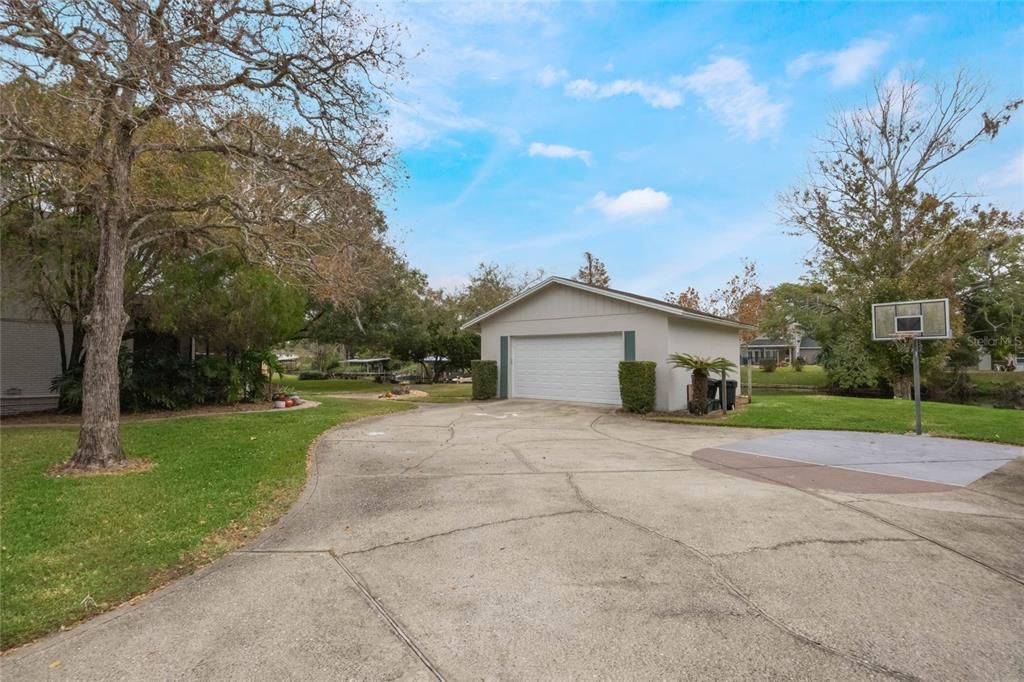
(527, 540)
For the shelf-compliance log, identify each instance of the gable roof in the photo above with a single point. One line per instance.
(770, 343)
(643, 301)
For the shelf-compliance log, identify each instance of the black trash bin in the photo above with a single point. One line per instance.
(713, 392)
(730, 394)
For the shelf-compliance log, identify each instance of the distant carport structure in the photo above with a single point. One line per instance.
(365, 368)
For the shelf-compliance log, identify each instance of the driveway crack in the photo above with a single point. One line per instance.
(417, 465)
(521, 457)
(739, 593)
(392, 622)
(463, 529)
(845, 505)
(813, 541)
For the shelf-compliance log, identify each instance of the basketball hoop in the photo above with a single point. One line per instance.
(907, 324)
(905, 340)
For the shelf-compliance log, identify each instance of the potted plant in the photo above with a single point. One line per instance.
(280, 401)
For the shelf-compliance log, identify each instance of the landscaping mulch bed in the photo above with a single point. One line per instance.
(715, 415)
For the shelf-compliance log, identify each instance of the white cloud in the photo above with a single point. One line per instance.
(846, 66)
(725, 85)
(549, 76)
(559, 151)
(443, 52)
(657, 96)
(1010, 174)
(581, 88)
(477, 12)
(730, 92)
(633, 203)
(425, 116)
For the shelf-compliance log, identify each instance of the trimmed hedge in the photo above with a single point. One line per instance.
(637, 385)
(311, 374)
(485, 379)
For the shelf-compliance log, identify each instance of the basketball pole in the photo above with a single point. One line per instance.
(917, 385)
(750, 376)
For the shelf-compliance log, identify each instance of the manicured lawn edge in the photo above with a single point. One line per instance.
(129, 583)
(719, 422)
(838, 413)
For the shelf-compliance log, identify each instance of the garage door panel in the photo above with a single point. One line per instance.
(574, 367)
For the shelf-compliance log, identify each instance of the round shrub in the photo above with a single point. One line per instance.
(485, 379)
(769, 364)
(637, 385)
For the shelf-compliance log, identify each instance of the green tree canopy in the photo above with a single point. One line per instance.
(219, 299)
(884, 228)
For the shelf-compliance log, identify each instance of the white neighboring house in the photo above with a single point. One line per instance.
(29, 357)
(563, 340)
(985, 361)
(785, 350)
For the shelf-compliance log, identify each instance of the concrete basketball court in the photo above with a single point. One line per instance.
(524, 540)
(942, 461)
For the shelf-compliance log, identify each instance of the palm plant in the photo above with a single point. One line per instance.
(700, 367)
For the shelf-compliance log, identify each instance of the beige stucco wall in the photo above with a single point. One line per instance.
(700, 338)
(561, 309)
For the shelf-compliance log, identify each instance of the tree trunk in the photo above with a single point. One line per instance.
(64, 364)
(902, 388)
(77, 345)
(699, 399)
(99, 442)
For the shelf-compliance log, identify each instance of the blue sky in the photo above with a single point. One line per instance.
(658, 135)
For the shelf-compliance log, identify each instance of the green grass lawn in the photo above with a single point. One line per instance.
(812, 375)
(438, 393)
(985, 380)
(801, 411)
(446, 393)
(75, 546)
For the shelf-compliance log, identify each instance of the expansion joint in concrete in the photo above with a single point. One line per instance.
(392, 622)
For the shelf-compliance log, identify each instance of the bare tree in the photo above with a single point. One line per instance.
(741, 298)
(886, 224)
(593, 272)
(254, 122)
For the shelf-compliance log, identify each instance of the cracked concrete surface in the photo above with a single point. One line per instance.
(529, 540)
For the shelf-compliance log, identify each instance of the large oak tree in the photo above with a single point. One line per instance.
(277, 104)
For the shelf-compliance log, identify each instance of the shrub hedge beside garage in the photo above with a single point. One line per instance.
(485, 379)
(637, 385)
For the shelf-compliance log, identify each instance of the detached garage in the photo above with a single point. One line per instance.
(563, 340)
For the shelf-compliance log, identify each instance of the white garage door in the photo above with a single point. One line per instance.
(577, 367)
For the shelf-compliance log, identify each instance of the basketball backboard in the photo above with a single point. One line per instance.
(927, 319)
